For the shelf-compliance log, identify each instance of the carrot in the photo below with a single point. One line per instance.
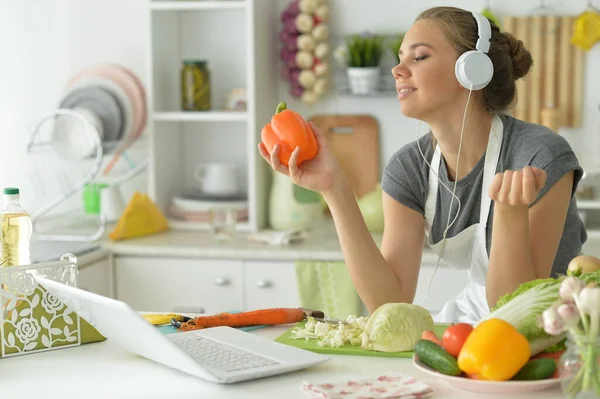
(431, 336)
(252, 318)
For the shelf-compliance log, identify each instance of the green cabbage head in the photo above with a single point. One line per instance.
(396, 327)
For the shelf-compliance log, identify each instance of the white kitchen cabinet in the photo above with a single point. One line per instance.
(179, 284)
(235, 37)
(446, 284)
(270, 284)
(95, 276)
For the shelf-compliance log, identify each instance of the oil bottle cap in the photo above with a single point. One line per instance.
(11, 190)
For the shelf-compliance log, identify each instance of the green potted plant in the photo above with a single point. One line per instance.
(361, 55)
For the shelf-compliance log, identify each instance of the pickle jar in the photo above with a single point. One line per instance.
(195, 86)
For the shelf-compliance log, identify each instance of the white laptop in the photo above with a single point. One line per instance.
(219, 354)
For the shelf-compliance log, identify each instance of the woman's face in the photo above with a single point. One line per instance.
(425, 79)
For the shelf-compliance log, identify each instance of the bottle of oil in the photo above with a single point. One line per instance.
(16, 230)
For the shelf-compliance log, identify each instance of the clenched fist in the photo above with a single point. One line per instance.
(517, 187)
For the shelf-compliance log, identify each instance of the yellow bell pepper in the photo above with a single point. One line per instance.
(494, 351)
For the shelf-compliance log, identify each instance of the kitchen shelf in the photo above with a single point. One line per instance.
(593, 234)
(191, 116)
(588, 204)
(197, 5)
(179, 224)
(235, 40)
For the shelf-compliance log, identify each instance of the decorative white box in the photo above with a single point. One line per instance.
(33, 320)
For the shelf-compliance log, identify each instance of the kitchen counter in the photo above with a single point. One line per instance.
(104, 370)
(321, 243)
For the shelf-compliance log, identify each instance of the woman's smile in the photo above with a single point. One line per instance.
(404, 90)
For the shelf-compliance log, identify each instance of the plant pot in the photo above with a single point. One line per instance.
(364, 80)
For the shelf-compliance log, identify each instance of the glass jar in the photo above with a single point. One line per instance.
(579, 368)
(195, 86)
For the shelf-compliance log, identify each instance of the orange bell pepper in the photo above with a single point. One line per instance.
(494, 351)
(288, 129)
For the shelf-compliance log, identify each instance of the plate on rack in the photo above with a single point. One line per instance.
(117, 92)
(129, 83)
(103, 104)
(201, 196)
(492, 387)
(197, 205)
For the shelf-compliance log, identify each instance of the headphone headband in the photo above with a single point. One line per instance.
(484, 31)
(474, 69)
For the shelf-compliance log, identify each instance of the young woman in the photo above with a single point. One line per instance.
(489, 193)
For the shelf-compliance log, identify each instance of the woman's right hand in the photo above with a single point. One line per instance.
(319, 174)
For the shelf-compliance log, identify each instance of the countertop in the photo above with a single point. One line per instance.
(104, 370)
(321, 243)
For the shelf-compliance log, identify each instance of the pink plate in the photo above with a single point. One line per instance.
(502, 387)
(143, 91)
(128, 83)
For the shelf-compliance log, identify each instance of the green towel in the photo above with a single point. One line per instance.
(326, 286)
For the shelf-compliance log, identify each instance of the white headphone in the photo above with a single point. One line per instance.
(474, 69)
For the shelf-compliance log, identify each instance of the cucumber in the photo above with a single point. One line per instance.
(436, 357)
(536, 369)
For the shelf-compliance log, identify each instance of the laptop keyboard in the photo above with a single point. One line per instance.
(218, 356)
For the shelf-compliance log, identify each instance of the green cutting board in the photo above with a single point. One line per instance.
(312, 345)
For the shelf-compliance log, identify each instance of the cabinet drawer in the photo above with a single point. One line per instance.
(446, 284)
(270, 284)
(180, 285)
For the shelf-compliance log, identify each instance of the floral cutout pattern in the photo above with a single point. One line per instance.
(386, 386)
(32, 318)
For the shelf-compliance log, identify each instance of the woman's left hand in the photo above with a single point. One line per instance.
(517, 187)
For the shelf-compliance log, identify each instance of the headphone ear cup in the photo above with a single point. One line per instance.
(474, 70)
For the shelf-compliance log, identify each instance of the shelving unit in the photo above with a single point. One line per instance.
(166, 5)
(583, 205)
(237, 39)
(215, 116)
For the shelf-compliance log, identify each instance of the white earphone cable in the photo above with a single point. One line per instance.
(453, 192)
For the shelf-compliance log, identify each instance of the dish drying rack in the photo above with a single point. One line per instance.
(42, 143)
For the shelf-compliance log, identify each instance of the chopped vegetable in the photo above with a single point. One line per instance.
(330, 334)
(494, 351)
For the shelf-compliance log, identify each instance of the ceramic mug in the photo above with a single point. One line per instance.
(218, 178)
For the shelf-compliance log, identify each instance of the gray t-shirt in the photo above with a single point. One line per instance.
(406, 179)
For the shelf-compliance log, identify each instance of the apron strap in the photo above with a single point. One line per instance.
(432, 191)
(492, 155)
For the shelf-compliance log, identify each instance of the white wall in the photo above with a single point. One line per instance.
(44, 42)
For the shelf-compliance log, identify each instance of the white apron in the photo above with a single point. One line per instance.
(466, 250)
